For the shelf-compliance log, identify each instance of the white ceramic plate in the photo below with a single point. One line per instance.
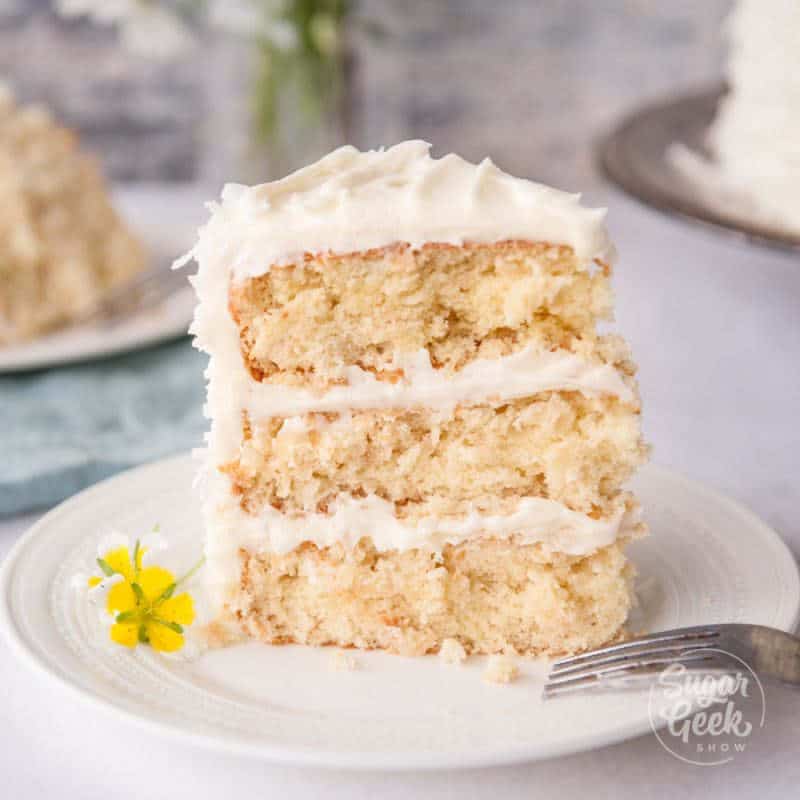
(76, 343)
(164, 219)
(708, 560)
(638, 156)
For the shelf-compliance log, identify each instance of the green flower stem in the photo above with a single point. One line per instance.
(173, 626)
(137, 590)
(135, 565)
(314, 66)
(191, 572)
(105, 567)
(166, 594)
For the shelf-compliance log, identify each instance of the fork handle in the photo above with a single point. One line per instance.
(776, 655)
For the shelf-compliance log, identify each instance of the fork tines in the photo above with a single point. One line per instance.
(145, 290)
(635, 659)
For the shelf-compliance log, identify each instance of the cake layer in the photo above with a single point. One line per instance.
(492, 596)
(305, 324)
(566, 446)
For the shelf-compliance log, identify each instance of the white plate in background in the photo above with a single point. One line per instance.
(166, 219)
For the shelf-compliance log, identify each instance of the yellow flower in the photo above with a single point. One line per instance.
(118, 562)
(144, 605)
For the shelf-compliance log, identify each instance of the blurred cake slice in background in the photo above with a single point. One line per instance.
(418, 433)
(62, 245)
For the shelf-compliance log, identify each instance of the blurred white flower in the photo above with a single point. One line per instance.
(280, 33)
(145, 27)
(250, 18)
(240, 17)
(156, 33)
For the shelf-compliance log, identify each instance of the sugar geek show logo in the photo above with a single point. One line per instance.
(705, 717)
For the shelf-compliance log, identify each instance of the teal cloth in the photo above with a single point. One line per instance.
(64, 429)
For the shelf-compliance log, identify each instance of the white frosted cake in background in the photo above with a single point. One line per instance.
(756, 135)
(62, 245)
(418, 433)
(754, 140)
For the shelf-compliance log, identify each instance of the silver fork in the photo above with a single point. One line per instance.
(146, 290)
(770, 653)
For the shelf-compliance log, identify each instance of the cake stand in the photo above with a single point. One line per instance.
(637, 156)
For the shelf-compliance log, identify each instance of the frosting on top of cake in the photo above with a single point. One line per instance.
(350, 201)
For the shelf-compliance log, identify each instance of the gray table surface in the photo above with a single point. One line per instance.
(715, 327)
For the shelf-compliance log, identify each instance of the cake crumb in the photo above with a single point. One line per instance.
(501, 669)
(343, 662)
(221, 632)
(452, 652)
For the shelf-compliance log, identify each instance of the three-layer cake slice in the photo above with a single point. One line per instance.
(418, 432)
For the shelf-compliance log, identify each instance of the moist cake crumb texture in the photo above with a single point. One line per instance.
(419, 437)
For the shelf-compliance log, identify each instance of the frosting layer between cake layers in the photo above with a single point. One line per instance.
(520, 374)
(535, 519)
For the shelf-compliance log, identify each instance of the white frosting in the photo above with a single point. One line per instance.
(535, 520)
(755, 137)
(520, 374)
(352, 201)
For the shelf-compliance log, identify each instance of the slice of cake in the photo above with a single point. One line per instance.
(62, 245)
(418, 433)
